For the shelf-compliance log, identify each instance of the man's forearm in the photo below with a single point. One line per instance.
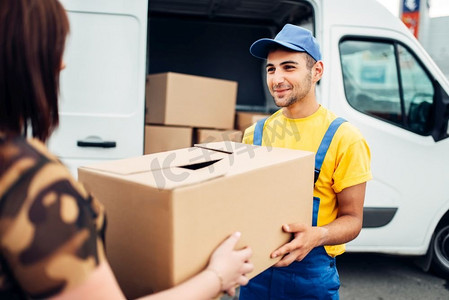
(342, 230)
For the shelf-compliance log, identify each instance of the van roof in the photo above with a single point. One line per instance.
(369, 13)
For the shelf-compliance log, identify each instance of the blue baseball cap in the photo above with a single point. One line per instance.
(292, 37)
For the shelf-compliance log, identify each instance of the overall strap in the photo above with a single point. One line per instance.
(258, 132)
(325, 143)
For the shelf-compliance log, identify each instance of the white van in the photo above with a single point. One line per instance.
(377, 76)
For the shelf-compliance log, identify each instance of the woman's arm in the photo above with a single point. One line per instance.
(226, 270)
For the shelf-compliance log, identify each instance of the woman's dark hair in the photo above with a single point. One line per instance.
(32, 40)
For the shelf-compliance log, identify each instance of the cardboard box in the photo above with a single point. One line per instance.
(168, 211)
(187, 100)
(244, 120)
(216, 135)
(160, 138)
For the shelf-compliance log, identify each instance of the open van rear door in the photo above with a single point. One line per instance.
(103, 86)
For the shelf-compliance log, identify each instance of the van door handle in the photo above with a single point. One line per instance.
(96, 142)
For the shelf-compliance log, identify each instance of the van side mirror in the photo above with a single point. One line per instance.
(441, 113)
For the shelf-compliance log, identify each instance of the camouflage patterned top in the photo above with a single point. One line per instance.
(50, 227)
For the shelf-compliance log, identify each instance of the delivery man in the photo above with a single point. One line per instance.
(307, 269)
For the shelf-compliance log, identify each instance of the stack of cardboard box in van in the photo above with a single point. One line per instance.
(244, 119)
(182, 110)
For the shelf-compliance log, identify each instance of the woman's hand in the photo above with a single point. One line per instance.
(231, 266)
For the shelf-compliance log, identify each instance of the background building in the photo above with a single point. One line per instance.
(437, 42)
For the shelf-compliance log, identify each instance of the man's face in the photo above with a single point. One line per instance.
(288, 78)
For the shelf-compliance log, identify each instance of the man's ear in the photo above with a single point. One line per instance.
(317, 71)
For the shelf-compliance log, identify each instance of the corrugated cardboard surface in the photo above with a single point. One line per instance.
(245, 119)
(216, 135)
(160, 138)
(162, 232)
(188, 100)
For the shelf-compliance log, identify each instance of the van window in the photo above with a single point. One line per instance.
(384, 79)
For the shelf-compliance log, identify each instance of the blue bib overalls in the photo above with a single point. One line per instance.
(316, 276)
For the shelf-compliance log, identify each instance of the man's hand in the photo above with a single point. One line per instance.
(305, 239)
(342, 230)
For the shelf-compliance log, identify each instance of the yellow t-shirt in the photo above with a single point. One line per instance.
(347, 162)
